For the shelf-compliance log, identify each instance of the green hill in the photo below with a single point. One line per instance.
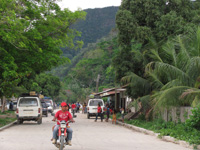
(98, 23)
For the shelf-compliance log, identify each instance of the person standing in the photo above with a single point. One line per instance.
(84, 107)
(114, 117)
(107, 112)
(99, 113)
(11, 105)
(85, 111)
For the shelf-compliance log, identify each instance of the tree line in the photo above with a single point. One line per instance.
(31, 35)
(159, 55)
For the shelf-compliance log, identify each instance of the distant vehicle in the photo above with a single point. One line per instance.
(49, 103)
(49, 106)
(92, 107)
(44, 108)
(29, 108)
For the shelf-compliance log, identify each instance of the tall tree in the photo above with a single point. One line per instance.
(143, 20)
(31, 34)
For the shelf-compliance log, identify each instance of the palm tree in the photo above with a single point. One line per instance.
(172, 73)
(178, 75)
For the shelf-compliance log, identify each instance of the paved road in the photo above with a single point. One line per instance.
(88, 135)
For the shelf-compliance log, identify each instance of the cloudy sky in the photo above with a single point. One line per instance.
(84, 4)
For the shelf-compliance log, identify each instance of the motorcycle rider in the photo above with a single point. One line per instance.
(73, 109)
(63, 114)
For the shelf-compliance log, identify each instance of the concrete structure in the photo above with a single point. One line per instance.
(177, 113)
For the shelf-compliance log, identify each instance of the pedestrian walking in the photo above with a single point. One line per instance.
(77, 107)
(107, 112)
(99, 113)
(11, 105)
(114, 117)
(85, 111)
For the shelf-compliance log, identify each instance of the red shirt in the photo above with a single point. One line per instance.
(63, 116)
(73, 106)
(99, 109)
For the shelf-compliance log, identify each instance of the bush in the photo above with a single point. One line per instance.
(194, 121)
(179, 131)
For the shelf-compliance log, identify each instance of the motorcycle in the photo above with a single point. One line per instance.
(62, 135)
(73, 112)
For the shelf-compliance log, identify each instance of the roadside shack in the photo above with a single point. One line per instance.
(116, 97)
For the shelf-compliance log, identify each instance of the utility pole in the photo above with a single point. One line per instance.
(97, 83)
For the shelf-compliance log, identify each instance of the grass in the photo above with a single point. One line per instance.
(7, 117)
(177, 130)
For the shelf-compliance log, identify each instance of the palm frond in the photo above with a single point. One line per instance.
(168, 51)
(196, 101)
(169, 98)
(171, 84)
(132, 77)
(138, 82)
(171, 72)
(193, 42)
(152, 76)
(192, 95)
(193, 68)
(155, 55)
(198, 40)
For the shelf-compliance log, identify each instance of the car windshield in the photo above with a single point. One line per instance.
(96, 102)
(28, 102)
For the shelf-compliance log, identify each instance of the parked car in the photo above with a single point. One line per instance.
(92, 107)
(29, 108)
(44, 108)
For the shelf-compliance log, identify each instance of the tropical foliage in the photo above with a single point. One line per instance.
(96, 60)
(159, 56)
(31, 34)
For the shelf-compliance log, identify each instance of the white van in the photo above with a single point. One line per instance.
(92, 107)
(29, 108)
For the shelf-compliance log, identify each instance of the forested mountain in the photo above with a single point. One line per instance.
(96, 59)
(98, 23)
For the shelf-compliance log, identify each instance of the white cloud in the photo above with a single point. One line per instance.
(85, 4)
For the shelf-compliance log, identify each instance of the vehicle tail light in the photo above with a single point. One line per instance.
(17, 110)
(38, 110)
(88, 108)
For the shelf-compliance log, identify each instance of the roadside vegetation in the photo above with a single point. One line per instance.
(7, 117)
(188, 131)
(179, 130)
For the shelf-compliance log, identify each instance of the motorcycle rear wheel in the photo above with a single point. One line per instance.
(62, 139)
